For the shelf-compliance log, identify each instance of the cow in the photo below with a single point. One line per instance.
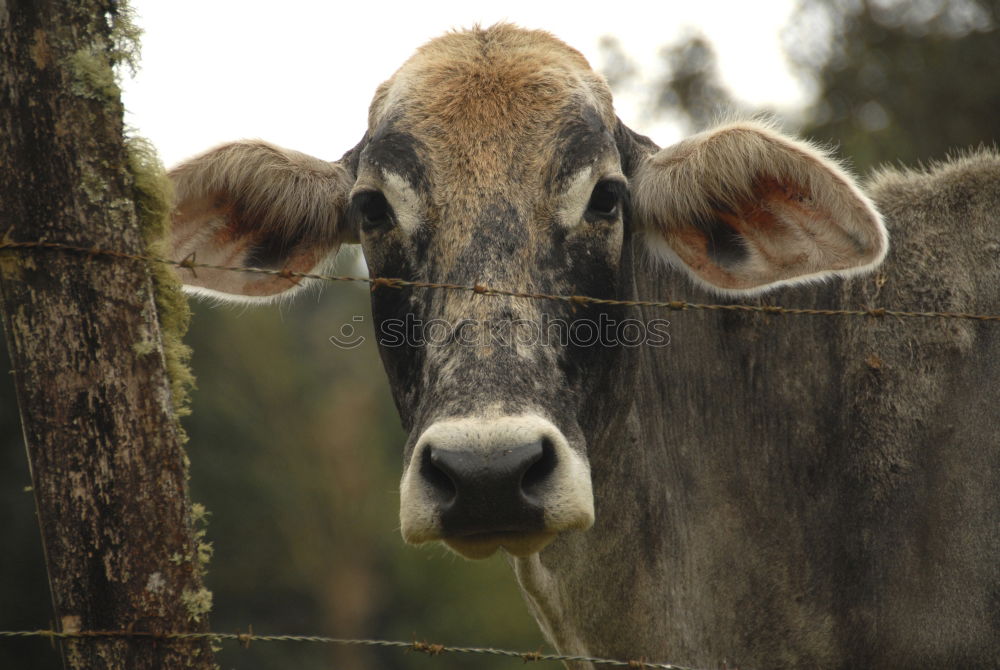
(766, 491)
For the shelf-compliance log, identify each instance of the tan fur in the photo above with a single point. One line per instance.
(492, 78)
(484, 100)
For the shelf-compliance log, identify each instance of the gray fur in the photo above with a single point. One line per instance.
(799, 492)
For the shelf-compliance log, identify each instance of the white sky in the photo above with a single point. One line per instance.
(301, 73)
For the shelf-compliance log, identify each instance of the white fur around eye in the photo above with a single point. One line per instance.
(575, 198)
(405, 202)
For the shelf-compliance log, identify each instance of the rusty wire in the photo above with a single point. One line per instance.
(192, 264)
(245, 639)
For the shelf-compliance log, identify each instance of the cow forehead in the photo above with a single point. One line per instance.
(488, 100)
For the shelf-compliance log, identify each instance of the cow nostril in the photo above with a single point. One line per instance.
(439, 479)
(473, 485)
(537, 474)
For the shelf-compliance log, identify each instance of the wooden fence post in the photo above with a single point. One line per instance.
(97, 406)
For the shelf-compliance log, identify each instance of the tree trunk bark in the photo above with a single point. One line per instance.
(105, 448)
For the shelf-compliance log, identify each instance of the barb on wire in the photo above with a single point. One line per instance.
(244, 639)
(190, 264)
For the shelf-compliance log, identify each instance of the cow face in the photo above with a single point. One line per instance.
(492, 160)
(494, 157)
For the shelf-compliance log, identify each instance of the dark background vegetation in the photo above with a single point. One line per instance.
(295, 445)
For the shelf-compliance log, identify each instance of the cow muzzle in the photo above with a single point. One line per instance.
(482, 484)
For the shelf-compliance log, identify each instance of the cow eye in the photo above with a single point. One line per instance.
(605, 198)
(374, 209)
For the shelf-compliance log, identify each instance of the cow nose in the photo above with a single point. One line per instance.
(480, 484)
(495, 491)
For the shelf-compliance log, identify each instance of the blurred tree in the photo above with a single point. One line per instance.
(616, 65)
(688, 89)
(691, 83)
(899, 80)
(891, 80)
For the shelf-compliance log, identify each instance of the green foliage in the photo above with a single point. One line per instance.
(899, 81)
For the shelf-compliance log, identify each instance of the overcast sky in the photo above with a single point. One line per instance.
(301, 73)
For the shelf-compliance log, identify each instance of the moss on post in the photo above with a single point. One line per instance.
(153, 197)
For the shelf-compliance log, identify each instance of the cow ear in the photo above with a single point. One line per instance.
(743, 208)
(252, 204)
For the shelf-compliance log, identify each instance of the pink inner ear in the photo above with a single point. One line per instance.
(769, 212)
(777, 233)
(212, 227)
(691, 245)
(254, 284)
(772, 222)
(304, 259)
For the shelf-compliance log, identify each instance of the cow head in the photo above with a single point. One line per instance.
(494, 156)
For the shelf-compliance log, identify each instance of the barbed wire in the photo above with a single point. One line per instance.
(191, 264)
(422, 647)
